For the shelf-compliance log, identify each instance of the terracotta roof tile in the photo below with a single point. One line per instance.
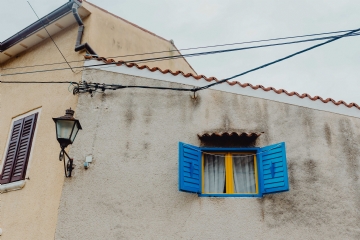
(229, 134)
(231, 83)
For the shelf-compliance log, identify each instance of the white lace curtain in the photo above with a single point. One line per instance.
(214, 171)
(243, 173)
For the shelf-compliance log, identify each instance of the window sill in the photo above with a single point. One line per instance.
(230, 195)
(12, 186)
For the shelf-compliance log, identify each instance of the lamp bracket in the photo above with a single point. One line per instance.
(68, 167)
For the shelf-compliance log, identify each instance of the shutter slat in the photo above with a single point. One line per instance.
(276, 164)
(188, 165)
(22, 155)
(273, 185)
(188, 174)
(194, 171)
(268, 176)
(274, 180)
(268, 171)
(190, 156)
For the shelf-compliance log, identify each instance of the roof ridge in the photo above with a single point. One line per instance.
(232, 83)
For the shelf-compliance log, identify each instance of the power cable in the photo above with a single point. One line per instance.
(92, 87)
(51, 38)
(181, 55)
(278, 60)
(193, 48)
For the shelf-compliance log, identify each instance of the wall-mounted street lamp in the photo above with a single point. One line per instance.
(66, 129)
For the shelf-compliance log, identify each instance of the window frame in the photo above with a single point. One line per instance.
(220, 150)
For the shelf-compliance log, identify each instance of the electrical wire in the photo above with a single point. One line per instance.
(37, 82)
(193, 48)
(278, 60)
(51, 38)
(93, 87)
(183, 55)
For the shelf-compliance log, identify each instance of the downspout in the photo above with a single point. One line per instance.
(78, 45)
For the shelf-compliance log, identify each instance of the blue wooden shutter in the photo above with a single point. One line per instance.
(273, 169)
(189, 168)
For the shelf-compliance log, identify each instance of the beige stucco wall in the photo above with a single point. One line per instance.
(113, 37)
(131, 191)
(31, 213)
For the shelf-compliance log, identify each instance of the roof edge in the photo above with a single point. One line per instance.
(39, 24)
(172, 42)
(210, 79)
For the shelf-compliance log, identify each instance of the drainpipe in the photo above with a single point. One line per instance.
(78, 45)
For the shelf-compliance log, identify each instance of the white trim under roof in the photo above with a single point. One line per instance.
(247, 91)
(41, 35)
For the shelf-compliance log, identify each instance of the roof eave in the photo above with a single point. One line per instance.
(36, 26)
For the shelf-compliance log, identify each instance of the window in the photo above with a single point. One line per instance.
(233, 172)
(18, 150)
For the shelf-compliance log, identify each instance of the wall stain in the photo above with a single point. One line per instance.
(350, 149)
(262, 119)
(349, 145)
(146, 146)
(147, 115)
(299, 206)
(310, 169)
(195, 101)
(226, 122)
(327, 131)
(129, 116)
(291, 166)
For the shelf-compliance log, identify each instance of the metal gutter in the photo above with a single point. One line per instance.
(70, 7)
(78, 45)
(36, 26)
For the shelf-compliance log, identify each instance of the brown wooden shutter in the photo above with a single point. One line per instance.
(11, 152)
(24, 147)
(19, 150)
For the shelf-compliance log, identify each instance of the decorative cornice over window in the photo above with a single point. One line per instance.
(228, 138)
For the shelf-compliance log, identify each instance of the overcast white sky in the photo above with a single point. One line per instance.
(329, 71)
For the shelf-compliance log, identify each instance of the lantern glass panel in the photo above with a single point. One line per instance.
(76, 129)
(64, 128)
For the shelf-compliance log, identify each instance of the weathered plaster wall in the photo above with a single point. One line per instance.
(131, 191)
(31, 213)
(113, 37)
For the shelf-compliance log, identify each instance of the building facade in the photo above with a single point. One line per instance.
(304, 185)
(31, 175)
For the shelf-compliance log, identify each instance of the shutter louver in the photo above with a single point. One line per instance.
(189, 168)
(19, 150)
(273, 174)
